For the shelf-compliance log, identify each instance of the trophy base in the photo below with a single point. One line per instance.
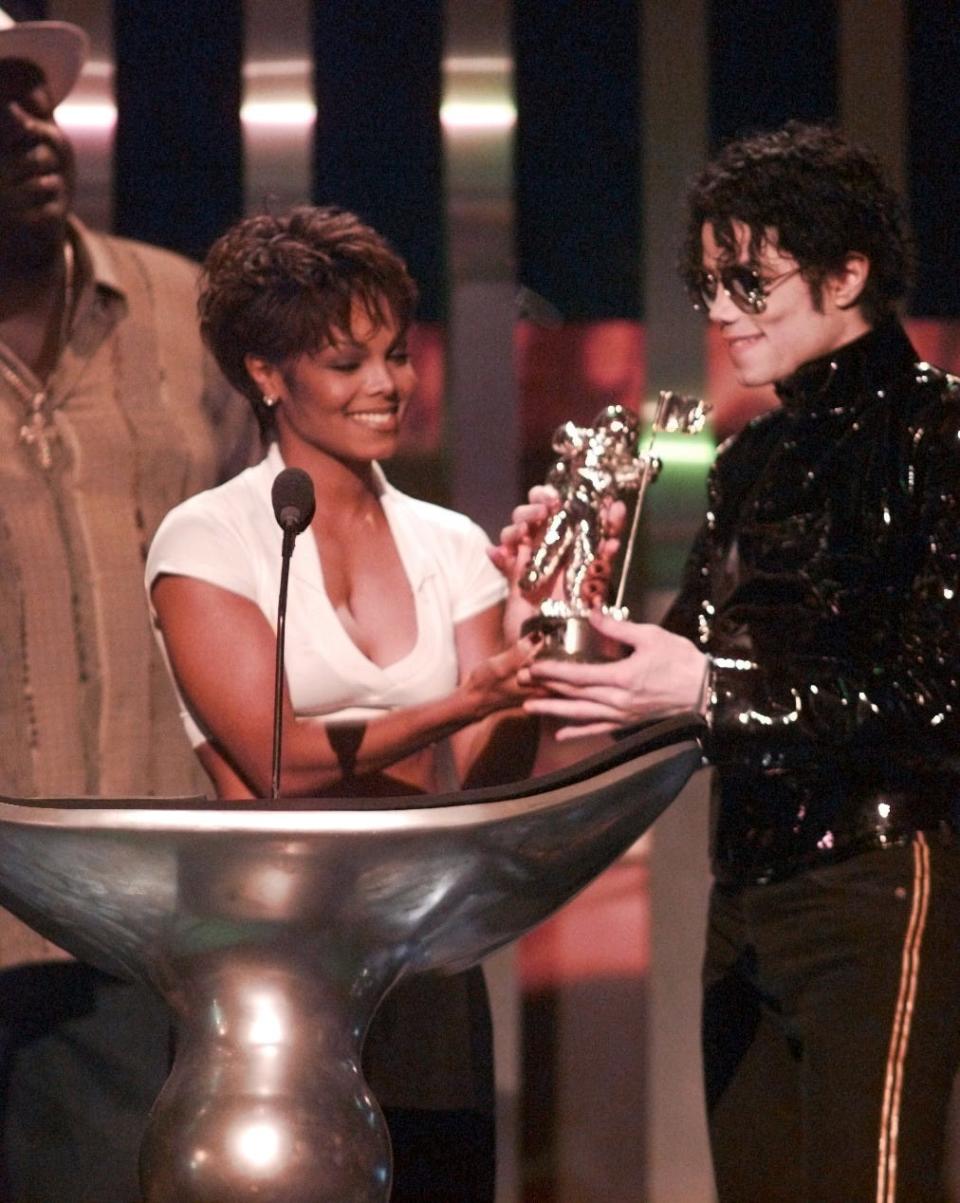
(573, 637)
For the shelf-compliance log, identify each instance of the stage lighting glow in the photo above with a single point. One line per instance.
(260, 1145)
(79, 116)
(274, 68)
(478, 64)
(477, 94)
(478, 115)
(277, 113)
(86, 115)
(455, 115)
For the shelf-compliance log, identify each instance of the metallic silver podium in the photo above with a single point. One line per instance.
(274, 934)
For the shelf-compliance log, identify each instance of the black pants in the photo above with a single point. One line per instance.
(831, 1029)
(442, 1156)
(82, 1058)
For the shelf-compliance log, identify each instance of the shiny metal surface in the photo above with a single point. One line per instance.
(565, 636)
(478, 117)
(596, 466)
(278, 111)
(274, 934)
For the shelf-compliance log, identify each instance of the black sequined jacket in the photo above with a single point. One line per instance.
(825, 584)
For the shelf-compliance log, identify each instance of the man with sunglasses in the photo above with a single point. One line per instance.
(818, 630)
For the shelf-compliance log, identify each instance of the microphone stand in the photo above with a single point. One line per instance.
(293, 507)
(289, 536)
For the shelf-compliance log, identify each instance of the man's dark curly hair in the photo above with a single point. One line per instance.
(283, 286)
(824, 198)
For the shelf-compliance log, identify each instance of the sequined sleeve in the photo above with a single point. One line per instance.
(887, 680)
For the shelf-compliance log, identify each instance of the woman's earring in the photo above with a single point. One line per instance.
(270, 402)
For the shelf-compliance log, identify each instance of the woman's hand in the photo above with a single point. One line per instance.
(501, 746)
(664, 674)
(494, 684)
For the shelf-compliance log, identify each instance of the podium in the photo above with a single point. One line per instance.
(274, 930)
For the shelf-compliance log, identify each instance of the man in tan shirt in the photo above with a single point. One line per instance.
(110, 414)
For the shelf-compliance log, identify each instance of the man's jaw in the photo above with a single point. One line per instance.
(31, 240)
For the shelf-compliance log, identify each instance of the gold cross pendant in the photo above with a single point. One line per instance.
(40, 433)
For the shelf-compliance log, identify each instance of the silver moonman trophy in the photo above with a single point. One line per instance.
(596, 466)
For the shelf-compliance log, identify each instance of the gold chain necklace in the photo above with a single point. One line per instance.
(40, 431)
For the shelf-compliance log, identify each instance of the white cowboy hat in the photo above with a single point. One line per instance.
(56, 47)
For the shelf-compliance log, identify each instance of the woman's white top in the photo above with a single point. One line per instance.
(229, 536)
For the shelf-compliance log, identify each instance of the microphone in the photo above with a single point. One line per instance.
(294, 505)
(293, 501)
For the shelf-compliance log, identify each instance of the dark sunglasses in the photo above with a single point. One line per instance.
(743, 285)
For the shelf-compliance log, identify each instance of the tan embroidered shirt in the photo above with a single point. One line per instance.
(138, 419)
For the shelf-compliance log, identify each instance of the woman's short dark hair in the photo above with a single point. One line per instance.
(283, 286)
(825, 197)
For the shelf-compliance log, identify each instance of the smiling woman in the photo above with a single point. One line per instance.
(308, 315)
(394, 627)
(348, 397)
